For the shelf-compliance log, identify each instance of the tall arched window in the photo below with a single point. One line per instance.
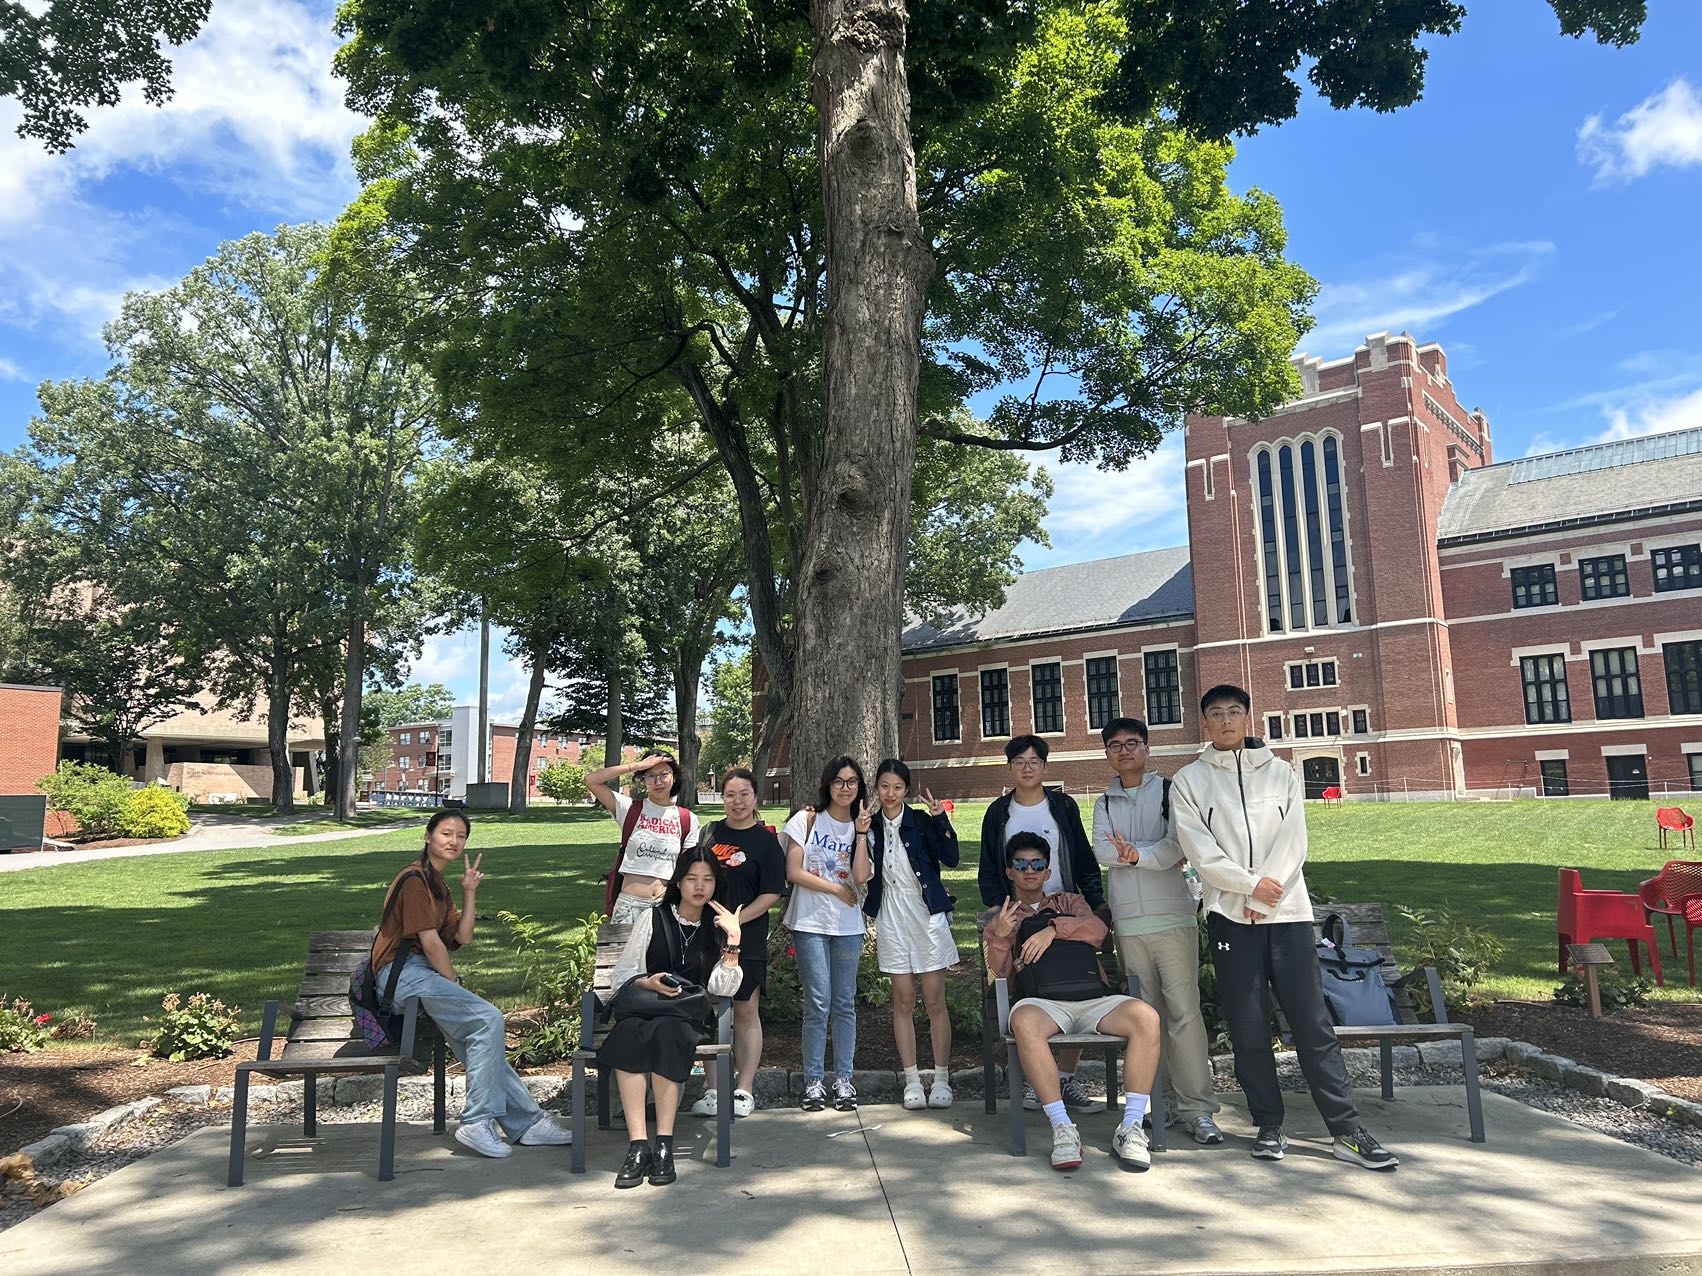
(1303, 534)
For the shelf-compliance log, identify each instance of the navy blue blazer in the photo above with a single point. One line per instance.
(931, 843)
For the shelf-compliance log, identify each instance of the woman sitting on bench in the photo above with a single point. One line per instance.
(425, 919)
(670, 945)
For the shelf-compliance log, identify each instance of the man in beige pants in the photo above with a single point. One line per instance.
(1154, 915)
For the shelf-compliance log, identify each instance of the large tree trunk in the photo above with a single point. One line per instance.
(278, 733)
(614, 734)
(519, 780)
(688, 670)
(328, 720)
(850, 598)
(348, 743)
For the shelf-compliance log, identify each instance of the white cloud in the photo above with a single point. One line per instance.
(10, 371)
(453, 659)
(1652, 415)
(1655, 406)
(1664, 128)
(1098, 513)
(1420, 294)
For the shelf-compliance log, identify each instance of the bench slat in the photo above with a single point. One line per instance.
(1405, 1032)
(300, 1065)
(338, 940)
(326, 985)
(326, 1007)
(323, 1029)
(341, 962)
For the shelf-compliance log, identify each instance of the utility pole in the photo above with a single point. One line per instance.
(483, 755)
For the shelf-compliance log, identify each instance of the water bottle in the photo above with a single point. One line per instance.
(1191, 880)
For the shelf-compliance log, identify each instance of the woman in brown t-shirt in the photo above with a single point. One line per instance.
(418, 909)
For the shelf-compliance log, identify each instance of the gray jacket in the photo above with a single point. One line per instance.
(1153, 884)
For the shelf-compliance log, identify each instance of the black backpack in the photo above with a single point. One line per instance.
(1067, 971)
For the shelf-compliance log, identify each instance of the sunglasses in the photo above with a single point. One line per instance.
(1030, 866)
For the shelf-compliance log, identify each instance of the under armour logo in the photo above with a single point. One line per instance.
(1222, 947)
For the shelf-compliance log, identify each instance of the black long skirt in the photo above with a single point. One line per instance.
(665, 1045)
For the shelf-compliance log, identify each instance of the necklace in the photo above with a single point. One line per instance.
(688, 930)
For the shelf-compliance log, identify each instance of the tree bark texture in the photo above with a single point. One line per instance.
(687, 673)
(850, 600)
(519, 787)
(348, 746)
(614, 734)
(278, 734)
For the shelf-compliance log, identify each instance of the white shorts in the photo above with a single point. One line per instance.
(629, 908)
(1075, 1017)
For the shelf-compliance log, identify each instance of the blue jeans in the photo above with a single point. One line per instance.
(473, 1028)
(827, 969)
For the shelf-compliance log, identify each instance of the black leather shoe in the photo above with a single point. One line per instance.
(662, 1163)
(636, 1166)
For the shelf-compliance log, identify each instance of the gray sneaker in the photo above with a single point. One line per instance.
(1204, 1130)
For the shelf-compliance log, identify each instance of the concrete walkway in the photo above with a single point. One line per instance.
(889, 1191)
(209, 833)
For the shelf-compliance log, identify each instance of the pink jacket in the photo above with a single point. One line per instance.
(1076, 920)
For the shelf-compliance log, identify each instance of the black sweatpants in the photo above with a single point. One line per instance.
(1251, 961)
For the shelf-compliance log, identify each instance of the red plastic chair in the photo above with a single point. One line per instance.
(1332, 794)
(1583, 916)
(1664, 892)
(1673, 819)
(1691, 907)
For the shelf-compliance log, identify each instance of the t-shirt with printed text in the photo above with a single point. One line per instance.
(655, 842)
(827, 853)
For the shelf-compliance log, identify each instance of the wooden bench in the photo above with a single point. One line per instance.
(611, 941)
(322, 1041)
(995, 1032)
(1369, 930)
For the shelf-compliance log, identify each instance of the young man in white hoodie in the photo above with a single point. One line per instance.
(1240, 816)
(1155, 918)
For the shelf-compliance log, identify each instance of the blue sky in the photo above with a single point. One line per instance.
(1534, 213)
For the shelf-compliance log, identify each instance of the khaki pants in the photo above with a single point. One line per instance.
(1168, 965)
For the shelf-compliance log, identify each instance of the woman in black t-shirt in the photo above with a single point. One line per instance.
(753, 877)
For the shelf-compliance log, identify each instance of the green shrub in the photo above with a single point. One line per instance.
(95, 797)
(21, 1028)
(783, 995)
(963, 1005)
(201, 1028)
(1461, 953)
(1616, 994)
(156, 812)
(565, 781)
(556, 974)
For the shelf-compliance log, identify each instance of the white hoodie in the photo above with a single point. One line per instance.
(1240, 815)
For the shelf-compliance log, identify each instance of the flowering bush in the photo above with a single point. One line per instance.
(96, 797)
(156, 812)
(21, 1028)
(201, 1028)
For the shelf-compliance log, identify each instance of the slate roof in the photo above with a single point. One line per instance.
(1603, 483)
(1132, 589)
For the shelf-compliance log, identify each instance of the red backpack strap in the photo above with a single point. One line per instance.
(634, 813)
(685, 825)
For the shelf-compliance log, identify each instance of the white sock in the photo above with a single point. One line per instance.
(1055, 1112)
(912, 1075)
(1134, 1107)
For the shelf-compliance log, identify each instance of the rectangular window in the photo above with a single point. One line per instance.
(945, 708)
(1332, 724)
(425, 737)
(1546, 698)
(995, 703)
(1163, 689)
(1273, 726)
(1619, 693)
(445, 739)
(1677, 568)
(407, 737)
(1048, 684)
(405, 763)
(1684, 676)
(1695, 760)
(1535, 586)
(1361, 723)
(1103, 701)
(1603, 577)
(1362, 763)
(1311, 673)
(1554, 778)
(1300, 729)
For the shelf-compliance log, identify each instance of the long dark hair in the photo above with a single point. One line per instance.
(434, 879)
(689, 857)
(892, 766)
(824, 798)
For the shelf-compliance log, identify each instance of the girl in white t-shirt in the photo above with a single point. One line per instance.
(827, 862)
(660, 833)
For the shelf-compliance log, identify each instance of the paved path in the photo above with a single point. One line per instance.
(207, 833)
(889, 1192)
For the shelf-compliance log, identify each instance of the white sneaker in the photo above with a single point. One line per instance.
(1066, 1147)
(1129, 1146)
(939, 1095)
(744, 1103)
(544, 1132)
(709, 1104)
(483, 1138)
(915, 1097)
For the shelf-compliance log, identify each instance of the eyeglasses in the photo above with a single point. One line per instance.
(840, 782)
(1031, 866)
(1125, 746)
(660, 775)
(1027, 764)
(1225, 714)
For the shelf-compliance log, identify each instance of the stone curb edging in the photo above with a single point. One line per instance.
(777, 1085)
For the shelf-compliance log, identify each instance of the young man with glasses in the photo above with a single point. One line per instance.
(1155, 918)
(1056, 819)
(1022, 930)
(1239, 814)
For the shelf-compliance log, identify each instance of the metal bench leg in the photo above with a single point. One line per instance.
(238, 1129)
(387, 1132)
(1160, 1111)
(605, 1083)
(989, 1057)
(310, 1105)
(724, 1110)
(1013, 1076)
(439, 1085)
(1387, 1051)
(1474, 1101)
(578, 1116)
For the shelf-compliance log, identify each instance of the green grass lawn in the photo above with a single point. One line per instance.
(109, 939)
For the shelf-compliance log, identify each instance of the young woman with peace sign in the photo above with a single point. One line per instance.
(827, 861)
(912, 913)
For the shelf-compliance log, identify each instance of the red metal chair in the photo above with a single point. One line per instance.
(1672, 819)
(1582, 916)
(1332, 794)
(1691, 907)
(1663, 892)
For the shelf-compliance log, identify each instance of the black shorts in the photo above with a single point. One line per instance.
(755, 976)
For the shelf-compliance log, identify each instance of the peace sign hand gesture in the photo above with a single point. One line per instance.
(865, 817)
(1127, 852)
(728, 921)
(936, 808)
(470, 876)
(1004, 925)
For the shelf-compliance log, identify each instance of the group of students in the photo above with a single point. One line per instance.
(1227, 835)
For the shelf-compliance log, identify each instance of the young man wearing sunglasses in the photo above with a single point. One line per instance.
(1020, 948)
(1240, 816)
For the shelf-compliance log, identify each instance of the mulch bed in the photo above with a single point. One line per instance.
(1660, 1043)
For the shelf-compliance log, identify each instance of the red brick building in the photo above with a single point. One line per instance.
(434, 757)
(29, 736)
(1411, 618)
